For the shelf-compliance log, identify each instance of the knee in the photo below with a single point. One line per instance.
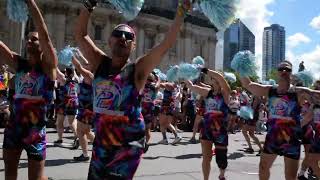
(262, 167)
(221, 158)
(251, 134)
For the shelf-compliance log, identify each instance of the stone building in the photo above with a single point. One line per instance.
(197, 36)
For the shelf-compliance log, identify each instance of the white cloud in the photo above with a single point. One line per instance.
(297, 39)
(254, 14)
(315, 23)
(311, 60)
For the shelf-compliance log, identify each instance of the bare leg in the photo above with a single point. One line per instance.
(207, 157)
(291, 168)
(11, 160)
(266, 161)
(35, 169)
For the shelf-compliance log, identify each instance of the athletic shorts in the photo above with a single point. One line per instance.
(85, 116)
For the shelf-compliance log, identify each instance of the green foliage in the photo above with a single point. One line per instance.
(273, 74)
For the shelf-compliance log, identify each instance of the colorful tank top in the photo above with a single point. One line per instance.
(70, 92)
(3, 81)
(215, 106)
(85, 96)
(33, 90)
(117, 104)
(149, 93)
(284, 110)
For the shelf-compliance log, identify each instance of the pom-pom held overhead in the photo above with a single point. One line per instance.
(17, 10)
(305, 77)
(65, 55)
(172, 74)
(189, 71)
(244, 63)
(220, 12)
(198, 60)
(129, 8)
(246, 112)
(230, 77)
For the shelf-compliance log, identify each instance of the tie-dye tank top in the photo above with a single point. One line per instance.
(70, 92)
(149, 93)
(284, 110)
(117, 105)
(3, 81)
(215, 106)
(33, 90)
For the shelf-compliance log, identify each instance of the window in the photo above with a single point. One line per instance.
(98, 32)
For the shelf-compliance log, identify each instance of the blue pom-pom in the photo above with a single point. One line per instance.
(172, 74)
(220, 12)
(305, 77)
(157, 71)
(189, 71)
(65, 56)
(244, 63)
(17, 10)
(230, 77)
(129, 8)
(198, 60)
(246, 112)
(162, 76)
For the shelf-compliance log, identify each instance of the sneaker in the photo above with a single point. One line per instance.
(302, 177)
(81, 158)
(222, 178)
(249, 150)
(163, 141)
(176, 140)
(58, 141)
(259, 153)
(76, 144)
(193, 141)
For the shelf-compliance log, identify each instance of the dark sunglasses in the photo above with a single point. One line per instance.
(119, 34)
(281, 69)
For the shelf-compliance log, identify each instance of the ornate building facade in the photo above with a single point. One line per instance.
(197, 35)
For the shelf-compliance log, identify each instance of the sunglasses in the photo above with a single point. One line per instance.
(119, 34)
(281, 69)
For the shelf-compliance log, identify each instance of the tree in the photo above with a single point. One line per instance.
(273, 74)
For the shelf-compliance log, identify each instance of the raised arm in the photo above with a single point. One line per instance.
(255, 88)
(7, 56)
(149, 61)
(203, 91)
(87, 75)
(90, 51)
(50, 57)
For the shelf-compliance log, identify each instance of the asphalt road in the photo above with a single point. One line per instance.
(161, 162)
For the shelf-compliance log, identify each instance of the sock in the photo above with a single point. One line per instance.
(164, 135)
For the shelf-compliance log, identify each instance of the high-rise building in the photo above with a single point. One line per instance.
(274, 47)
(237, 38)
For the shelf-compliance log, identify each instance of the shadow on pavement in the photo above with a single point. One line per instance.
(235, 155)
(49, 163)
(186, 156)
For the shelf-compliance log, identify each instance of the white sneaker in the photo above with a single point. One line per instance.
(163, 141)
(177, 140)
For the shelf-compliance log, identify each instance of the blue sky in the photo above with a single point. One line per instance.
(295, 16)
(301, 18)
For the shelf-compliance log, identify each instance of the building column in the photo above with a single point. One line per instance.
(60, 29)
